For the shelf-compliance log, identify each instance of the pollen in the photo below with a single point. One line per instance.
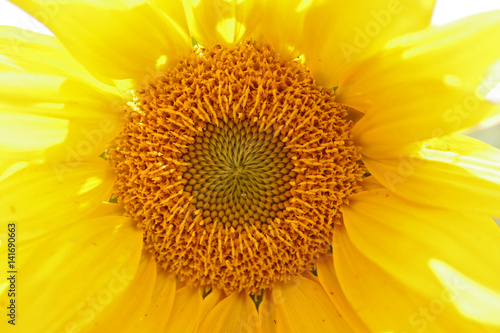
(235, 165)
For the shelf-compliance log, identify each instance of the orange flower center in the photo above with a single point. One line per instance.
(235, 165)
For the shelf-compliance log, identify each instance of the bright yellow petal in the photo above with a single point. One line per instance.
(186, 305)
(127, 309)
(222, 22)
(398, 124)
(434, 56)
(419, 88)
(236, 313)
(159, 309)
(337, 34)
(7, 64)
(463, 173)
(47, 118)
(302, 305)
(76, 273)
(108, 209)
(122, 40)
(387, 305)
(474, 301)
(39, 53)
(24, 133)
(282, 27)
(405, 240)
(329, 281)
(41, 198)
(56, 96)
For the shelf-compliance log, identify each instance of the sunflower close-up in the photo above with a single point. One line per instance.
(248, 166)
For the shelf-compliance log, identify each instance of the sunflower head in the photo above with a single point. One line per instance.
(298, 170)
(235, 164)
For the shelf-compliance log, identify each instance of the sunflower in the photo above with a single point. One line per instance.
(248, 166)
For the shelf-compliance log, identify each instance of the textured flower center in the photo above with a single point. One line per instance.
(235, 165)
(238, 175)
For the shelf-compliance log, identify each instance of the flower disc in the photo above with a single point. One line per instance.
(235, 165)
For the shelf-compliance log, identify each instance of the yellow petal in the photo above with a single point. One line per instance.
(39, 53)
(405, 239)
(158, 312)
(27, 248)
(42, 198)
(76, 273)
(222, 22)
(56, 96)
(127, 309)
(7, 64)
(398, 124)
(302, 305)
(337, 34)
(267, 313)
(282, 27)
(419, 88)
(329, 281)
(174, 10)
(50, 117)
(24, 133)
(433, 56)
(236, 313)
(370, 183)
(207, 305)
(123, 40)
(186, 305)
(108, 209)
(474, 300)
(387, 305)
(464, 175)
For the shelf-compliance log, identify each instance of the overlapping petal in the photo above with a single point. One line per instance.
(388, 305)
(419, 88)
(463, 173)
(303, 298)
(127, 311)
(267, 313)
(337, 34)
(224, 22)
(114, 39)
(187, 303)
(162, 302)
(75, 273)
(49, 117)
(389, 230)
(282, 27)
(236, 313)
(34, 52)
(43, 198)
(208, 303)
(328, 279)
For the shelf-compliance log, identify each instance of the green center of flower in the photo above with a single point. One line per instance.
(235, 165)
(238, 175)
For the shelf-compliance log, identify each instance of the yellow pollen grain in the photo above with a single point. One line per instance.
(235, 165)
